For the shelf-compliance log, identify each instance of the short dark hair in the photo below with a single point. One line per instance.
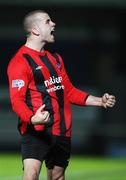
(29, 20)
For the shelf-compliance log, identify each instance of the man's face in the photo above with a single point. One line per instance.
(45, 27)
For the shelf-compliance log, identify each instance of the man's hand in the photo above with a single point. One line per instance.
(41, 116)
(108, 100)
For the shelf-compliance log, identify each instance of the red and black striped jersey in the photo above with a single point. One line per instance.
(37, 78)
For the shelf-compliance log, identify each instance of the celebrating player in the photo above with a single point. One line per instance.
(41, 94)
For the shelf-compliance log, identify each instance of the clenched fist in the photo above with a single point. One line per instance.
(41, 116)
(108, 100)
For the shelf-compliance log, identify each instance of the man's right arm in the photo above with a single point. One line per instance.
(19, 76)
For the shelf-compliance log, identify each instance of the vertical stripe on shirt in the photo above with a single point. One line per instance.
(59, 93)
(40, 86)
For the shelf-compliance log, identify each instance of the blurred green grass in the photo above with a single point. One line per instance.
(80, 168)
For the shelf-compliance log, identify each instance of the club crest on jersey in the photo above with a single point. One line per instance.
(18, 83)
(58, 65)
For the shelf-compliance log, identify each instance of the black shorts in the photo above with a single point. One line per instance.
(55, 150)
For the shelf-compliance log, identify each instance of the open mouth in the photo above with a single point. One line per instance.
(52, 32)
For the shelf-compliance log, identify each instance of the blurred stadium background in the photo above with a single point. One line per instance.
(90, 36)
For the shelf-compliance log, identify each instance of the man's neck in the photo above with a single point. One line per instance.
(35, 45)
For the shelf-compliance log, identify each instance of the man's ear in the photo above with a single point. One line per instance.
(35, 31)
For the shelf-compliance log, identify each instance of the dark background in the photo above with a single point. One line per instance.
(90, 37)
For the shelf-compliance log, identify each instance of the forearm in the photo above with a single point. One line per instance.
(22, 110)
(77, 96)
(93, 101)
